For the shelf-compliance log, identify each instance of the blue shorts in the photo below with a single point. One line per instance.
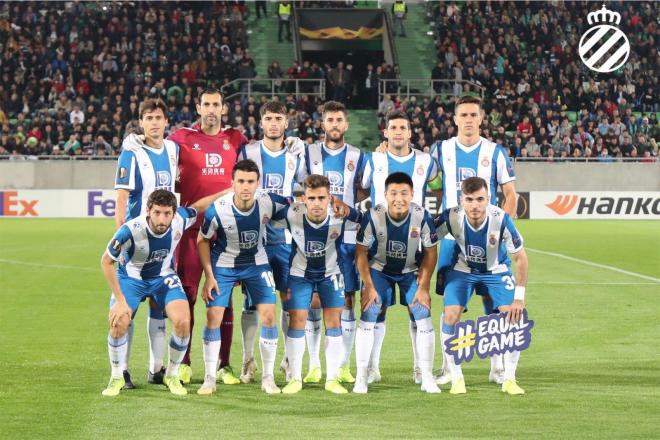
(258, 280)
(163, 290)
(385, 283)
(348, 267)
(459, 287)
(444, 265)
(330, 289)
(279, 260)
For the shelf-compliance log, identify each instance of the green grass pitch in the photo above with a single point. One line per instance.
(592, 371)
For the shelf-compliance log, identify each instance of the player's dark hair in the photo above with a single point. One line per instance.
(315, 181)
(333, 106)
(396, 114)
(473, 184)
(162, 197)
(398, 178)
(246, 165)
(467, 99)
(273, 107)
(210, 91)
(151, 104)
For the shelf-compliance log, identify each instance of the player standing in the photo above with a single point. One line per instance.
(400, 157)
(144, 248)
(340, 163)
(467, 155)
(140, 170)
(484, 234)
(207, 156)
(281, 170)
(387, 243)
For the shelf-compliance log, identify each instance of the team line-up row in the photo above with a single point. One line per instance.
(254, 233)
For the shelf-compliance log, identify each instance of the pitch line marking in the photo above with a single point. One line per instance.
(601, 266)
(54, 266)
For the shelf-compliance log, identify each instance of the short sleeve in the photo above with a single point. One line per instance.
(510, 236)
(120, 241)
(188, 214)
(125, 178)
(365, 235)
(210, 223)
(279, 203)
(366, 171)
(441, 223)
(429, 235)
(505, 172)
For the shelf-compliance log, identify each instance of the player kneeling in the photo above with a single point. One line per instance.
(144, 248)
(317, 237)
(484, 234)
(387, 245)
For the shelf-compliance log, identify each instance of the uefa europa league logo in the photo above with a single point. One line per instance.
(603, 47)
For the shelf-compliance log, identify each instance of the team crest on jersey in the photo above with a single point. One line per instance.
(414, 233)
(265, 219)
(196, 147)
(420, 170)
(350, 166)
(334, 234)
(225, 145)
(177, 236)
(485, 162)
(291, 165)
(492, 239)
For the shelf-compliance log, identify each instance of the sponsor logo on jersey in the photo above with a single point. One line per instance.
(274, 181)
(314, 249)
(213, 163)
(163, 179)
(476, 254)
(157, 256)
(249, 239)
(336, 182)
(396, 249)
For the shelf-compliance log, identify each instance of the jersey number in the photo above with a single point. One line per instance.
(337, 281)
(510, 282)
(268, 277)
(172, 282)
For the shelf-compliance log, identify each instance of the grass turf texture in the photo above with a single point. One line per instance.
(592, 370)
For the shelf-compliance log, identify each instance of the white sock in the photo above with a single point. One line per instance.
(313, 336)
(496, 362)
(178, 347)
(510, 364)
(412, 329)
(455, 370)
(117, 349)
(156, 331)
(129, 343)
(211, 341)
(347, 335)
(379, 337)
(334, 352)
(284, 324)
(442, 348)
(364, 342)
(295, 348)
(425, 345)
(249, 325)
(268, 350)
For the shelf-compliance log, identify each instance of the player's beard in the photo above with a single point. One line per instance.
(338, 140)
(207, 123)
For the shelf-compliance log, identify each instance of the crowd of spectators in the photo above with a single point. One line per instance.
(540, 100)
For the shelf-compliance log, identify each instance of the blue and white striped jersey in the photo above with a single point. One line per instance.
(280, 171)
(315, 249)
(341, 167)
(145, 254)
(418, 165)
(486, 159)
(484, 249)
(393, 245)
(240, 235)
(144, 170)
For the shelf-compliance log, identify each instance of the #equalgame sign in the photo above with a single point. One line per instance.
(488, 336)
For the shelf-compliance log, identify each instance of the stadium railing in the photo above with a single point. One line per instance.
(274, 87)
(424, 88)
